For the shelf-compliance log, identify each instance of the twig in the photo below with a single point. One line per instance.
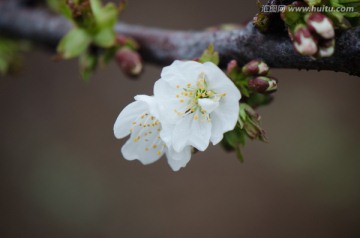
(163, 46)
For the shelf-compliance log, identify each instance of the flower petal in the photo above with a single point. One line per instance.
(127, 116)
(193, 129)
(224, 118)
(172, 103)
(178, 160)
(144, 144)
(219, 82)
(152, 105)
(181, 72)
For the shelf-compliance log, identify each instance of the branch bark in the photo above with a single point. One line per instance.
(163, 46)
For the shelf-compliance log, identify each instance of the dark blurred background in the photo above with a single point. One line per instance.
(62, 174)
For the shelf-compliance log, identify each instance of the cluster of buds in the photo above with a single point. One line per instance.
(258, 79)
(316, 38)
(313, 33)
(256, 86)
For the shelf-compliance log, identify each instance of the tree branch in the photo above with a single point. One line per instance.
(163, 46)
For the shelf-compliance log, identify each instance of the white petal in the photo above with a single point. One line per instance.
(193, 129)
(217, 130)
(171, 102)
(178, 160)
(166, 133)
(208, 105)
(144, 145)
(182, 72)
(127, 116)
(224, 118)
(153, 107)
(219, 82)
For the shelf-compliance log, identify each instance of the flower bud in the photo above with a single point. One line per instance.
(327, 48)
(263, 84)
(256, 67)
(129, 61)
(320, 24)
(232, 65)
(304, 42)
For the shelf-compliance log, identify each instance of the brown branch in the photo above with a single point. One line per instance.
(163, 46)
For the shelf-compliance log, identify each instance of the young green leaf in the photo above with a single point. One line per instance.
(105, 38)
(75, 42)
(210, 55)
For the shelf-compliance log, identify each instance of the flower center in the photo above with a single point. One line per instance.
(198, 99)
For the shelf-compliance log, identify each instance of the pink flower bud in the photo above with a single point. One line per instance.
(256, 67)
(129, 61)
(263, 84)
(232, 65)
(320, 24)
(304, 42)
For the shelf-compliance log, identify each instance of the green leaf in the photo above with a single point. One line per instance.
(313, 2)
(105, 38)
(239, 154)
(61, 7)
(258, 99)
(106, 17)
(210, 55)
(346, 3)
(233, 141)
(96, 7)
(75, 42)
(88, 64)
(108, 55)
(339, 20)
(291, 18)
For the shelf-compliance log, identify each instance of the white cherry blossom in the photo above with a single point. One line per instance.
(198, 104)
(140, 120)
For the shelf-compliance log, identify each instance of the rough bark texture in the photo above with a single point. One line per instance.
(163, 46)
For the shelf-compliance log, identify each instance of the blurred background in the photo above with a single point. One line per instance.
(62, 174)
